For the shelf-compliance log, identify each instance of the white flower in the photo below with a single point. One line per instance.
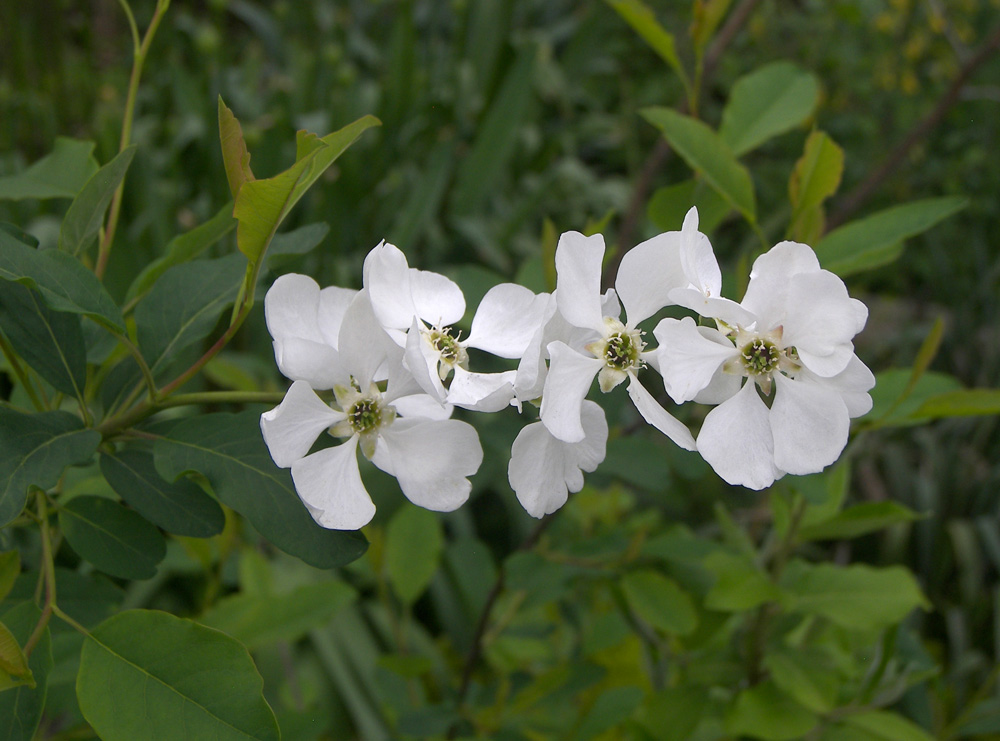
(425, 304)
(405, 435)
(304, 323)
(794, 340)
(544, 470)
(611, 350)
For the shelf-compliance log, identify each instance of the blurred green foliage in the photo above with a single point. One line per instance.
(499, 117)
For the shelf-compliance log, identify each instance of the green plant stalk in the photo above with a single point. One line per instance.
(138, 60)
(141, 411)
(49, 569)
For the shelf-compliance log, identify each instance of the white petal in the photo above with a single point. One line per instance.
(333, 303)
(422, 361)
(506, 319)
(316, 363)
(481, 392)
(829, 364)
(810, 424)
(363, 343)
(290, 307)
(431, 460)
(543, 470)
(736, 440)
(569, 379)
(421, 406)
(610, 305)
(437, 300)
(701, 269)
(578, 279)
(766, 294)
(853, 384)
(647, 274)
(292, 427)
(820, 319)
(657, 416)
(329, 483)
(687, 358)
(387, 279)
(714, 307)
(531, 369)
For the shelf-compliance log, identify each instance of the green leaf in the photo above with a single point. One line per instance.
(180, 507)
(235, 156)
(883, 725)
(60, 174)
(707, 153)
(889, 411)
(87, 598)
(184, 306)
(962, 403)
(496, 135)
(859, 520)
(34, 450)
(182, 248)
(261, 205)
(660, 602)
(817, 174)
(877, 239)
(669, 204)
(10, 569)
(86, 213)
(259, 620)
(766, 102)
(673, 714)
(765, 712)
(115, 539)
(707, 16)
(807, 674)
(21, 707)
(298, 241)
(611, 708)
(414, 543)
(858, 596)
(642, 20)
(149, 675)
(229, 451)
(50, 342)
(14, 669)
(62, 280)
(739, 584)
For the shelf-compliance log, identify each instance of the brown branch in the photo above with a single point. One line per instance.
(857, 197)
(661, 151)
(476, 649)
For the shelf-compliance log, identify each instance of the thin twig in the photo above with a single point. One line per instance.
(661, 151)
(857, 197)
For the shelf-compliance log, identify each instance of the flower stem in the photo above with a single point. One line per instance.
(49, 569)
(140, 51)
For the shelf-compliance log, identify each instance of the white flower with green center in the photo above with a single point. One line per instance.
(419, 308)
(405, 435)
(794, 347)
(610, 349)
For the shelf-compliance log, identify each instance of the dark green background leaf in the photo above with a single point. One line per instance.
(60, 174)
(115, 539)
(50, 342)
(34, 450)
(229, 450)
(179, 507)
(86, 213)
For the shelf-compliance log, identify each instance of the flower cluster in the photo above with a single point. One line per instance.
(778, 367)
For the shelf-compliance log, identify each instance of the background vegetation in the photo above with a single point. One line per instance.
(505, 123)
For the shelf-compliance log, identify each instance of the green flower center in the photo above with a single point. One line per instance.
(446, 345)
(621, 351)
(760, 357)
(365, 415)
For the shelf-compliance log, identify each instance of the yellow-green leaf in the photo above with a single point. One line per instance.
(235, 156)
(14, 669)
